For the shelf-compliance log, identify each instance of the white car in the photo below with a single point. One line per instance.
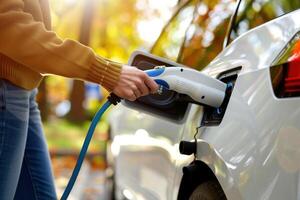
(247, 149)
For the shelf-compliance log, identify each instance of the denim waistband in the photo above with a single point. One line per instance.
(9, 90)
(10, 86)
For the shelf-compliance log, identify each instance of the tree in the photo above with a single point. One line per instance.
(77, 113)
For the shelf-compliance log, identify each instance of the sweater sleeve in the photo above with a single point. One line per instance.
(29, 43)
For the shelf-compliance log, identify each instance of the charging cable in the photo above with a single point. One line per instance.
(112, 99)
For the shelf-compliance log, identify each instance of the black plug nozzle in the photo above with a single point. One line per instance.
(114, 99)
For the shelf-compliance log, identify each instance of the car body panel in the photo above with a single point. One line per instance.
(254, 152)
(140, 137)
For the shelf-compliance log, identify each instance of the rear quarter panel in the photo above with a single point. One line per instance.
(255, 151)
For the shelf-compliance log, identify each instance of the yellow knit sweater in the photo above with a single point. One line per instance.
(29, 50)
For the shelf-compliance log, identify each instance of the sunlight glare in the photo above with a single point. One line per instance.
(149, 30)
(70, 2)
(156, 14)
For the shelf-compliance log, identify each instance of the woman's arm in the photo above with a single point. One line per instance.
(29, 43)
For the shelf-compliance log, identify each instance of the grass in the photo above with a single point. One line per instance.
(64, 135)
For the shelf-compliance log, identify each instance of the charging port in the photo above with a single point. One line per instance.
(214, 116)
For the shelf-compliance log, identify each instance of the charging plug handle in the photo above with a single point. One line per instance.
(200, 87)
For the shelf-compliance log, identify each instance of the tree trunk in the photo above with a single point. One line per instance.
(77, 113)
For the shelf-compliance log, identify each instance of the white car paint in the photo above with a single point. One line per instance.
(254, 152)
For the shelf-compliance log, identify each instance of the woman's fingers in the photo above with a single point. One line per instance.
(134, 83)
(141, 84)
(151, 84)
(136, 91)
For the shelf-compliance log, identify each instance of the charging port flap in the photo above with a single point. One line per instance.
(170, 105)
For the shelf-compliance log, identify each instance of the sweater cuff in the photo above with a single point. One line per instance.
(105, 73)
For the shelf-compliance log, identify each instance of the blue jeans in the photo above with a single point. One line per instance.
(25, 169)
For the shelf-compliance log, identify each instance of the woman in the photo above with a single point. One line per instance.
(29, 49)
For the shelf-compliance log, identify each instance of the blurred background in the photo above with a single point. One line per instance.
(114, 29)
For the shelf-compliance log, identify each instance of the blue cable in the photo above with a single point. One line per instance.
(83, 151)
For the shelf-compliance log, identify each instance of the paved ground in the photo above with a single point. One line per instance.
(90, 185)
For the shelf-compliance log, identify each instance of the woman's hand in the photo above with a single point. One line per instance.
(134, 83)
